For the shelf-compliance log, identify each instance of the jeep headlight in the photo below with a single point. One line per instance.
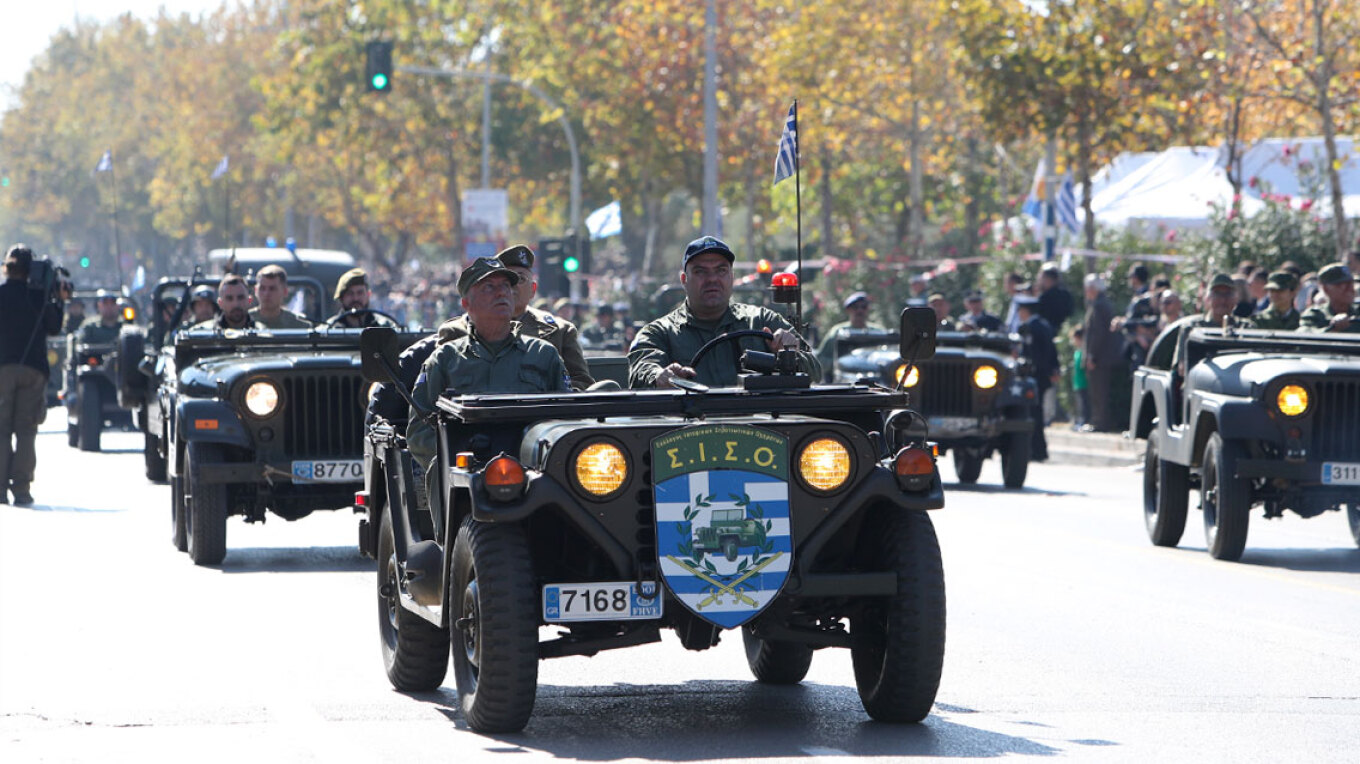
(824, 464)
(262, 398)
(913, 375)
(985, 377)
(601, 468)
(1292, 400)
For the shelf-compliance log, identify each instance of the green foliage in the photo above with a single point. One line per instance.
(1285, 229)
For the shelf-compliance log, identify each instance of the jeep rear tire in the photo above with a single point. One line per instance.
(775, 662)
(155, 463)
(72, 434)
(729, 549)
(415, 651)
(493, 603)
(179, 534)
(967, 465)
(206, 510)
(1166, 494)
(91, 415)
(897, 642)
(1353, 515)
(1015, 459)
(1226, 500)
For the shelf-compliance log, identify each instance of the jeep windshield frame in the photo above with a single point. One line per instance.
(1212, 341)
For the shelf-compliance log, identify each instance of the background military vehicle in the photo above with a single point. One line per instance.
(89, 372)
(975, 395)
(579, 511)
(1249, 418)
(325, 266)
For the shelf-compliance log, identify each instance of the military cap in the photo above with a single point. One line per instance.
(605, 310)
(1336, 273)
(518, 256)
(706, 244)
(481, 268)
(1222, 280)
(973, 296)
(104, 294)
(350, 278)
(1282, 280)
(934, 297)
(854, 298)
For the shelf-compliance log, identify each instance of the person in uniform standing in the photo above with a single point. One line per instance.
(532, 322)
(27, 318)
(271, 292)
(1103, 351)
(975, 319)
(1280, 314)
(1037, 345)
(663, 348)
(857, 307)
(1338, 314)
(489, 357)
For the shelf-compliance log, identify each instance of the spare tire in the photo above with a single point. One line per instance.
(132, 383)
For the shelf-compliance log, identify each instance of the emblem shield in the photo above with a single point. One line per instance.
(722, 518)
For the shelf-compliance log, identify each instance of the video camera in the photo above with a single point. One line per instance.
(52, 280)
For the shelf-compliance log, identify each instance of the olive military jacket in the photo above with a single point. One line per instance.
(1318, 318)
(558, 332)
(286, 319)
(1269, 319)
(677, 336)
(466, 365)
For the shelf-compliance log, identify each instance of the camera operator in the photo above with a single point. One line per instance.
(26, 310)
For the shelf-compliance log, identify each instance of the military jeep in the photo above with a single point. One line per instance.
(975, 394)
(1249, 418)
(589, 512)
(90, 372)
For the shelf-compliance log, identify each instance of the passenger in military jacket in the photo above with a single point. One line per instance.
(532, 322)
(1337, 315)
(232, 299)
(271, 291)
(664, 347)
(491, 357)
(1281, 286)
(1219, 301)
(103, 328)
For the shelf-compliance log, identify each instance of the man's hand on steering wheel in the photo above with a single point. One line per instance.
(783, 339)
(663, 380)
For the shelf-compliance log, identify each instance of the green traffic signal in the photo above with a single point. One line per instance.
(380, 81)
(4, 182)
(84, 262)
(571, 264)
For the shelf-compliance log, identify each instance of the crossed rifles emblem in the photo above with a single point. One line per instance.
(729, 588)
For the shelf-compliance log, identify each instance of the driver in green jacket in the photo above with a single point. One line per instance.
(664, 347)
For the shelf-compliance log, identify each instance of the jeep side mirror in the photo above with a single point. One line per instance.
(378, 350)
(918, 327)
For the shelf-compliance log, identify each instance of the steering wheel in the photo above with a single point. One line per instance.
(338, 317)
(721, 338)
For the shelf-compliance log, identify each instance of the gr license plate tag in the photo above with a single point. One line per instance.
(604, 601)
(328, 471)
(1341, 473)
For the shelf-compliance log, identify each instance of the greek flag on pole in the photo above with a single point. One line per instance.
(786, 163)
(1067, 204)
(105, 162)
(222, 168)
(1034, 203)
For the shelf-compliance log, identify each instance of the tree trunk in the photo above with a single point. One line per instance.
(1324, 106)
(1084, 167)
(915, 235)
(455, 203)
(972, 212)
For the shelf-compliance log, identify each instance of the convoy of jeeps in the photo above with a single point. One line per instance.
(797, 513)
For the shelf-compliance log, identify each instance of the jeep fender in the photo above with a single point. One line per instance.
(1020, 391)
(227, 429)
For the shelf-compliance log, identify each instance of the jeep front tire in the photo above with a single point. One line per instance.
(1226, 500)
(774, 662)
(206, 510)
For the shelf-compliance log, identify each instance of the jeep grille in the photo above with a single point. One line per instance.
(1336, 433)
(324, 416)
(945, 389)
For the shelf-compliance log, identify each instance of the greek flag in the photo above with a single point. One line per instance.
(786, 163)
(105, 162)
(604, 222)
(222, 168)
(1034, 203)
(1067, 204)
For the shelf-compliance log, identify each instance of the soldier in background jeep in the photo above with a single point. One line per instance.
(1338, 315)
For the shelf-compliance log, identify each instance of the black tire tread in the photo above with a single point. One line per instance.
(155, 463)
(1353, 518)
(898, 682)
(178, 529)
(774, 662)
(507, 684)
(206, 510)
(1165, 505)
(91, 416)
(1228, 540)
(1015, 459)
(967, 466)
(419, 659)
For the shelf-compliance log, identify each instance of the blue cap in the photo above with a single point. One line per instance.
(705, 244)
(854, 298)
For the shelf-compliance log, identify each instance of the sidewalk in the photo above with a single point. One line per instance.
(1092, 449)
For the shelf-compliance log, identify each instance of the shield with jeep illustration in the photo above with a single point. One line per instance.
(722, 518)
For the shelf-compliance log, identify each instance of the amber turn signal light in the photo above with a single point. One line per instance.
(504, 478)
(915, 468)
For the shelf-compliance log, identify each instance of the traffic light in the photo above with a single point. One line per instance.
(4, 182)
(577, 261)
(552, 261)
(85, 262)
(378, 69)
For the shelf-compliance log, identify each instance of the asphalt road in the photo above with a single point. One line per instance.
(1069, 636)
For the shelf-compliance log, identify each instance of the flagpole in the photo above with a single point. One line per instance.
(798, 217)
(117, 247)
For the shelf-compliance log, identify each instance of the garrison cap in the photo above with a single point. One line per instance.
(854, 298)
(518, 256)
(350, 278)
(1336, 273)
(706, 244)
(1282, 280)
(1221, 280)
(481, 268)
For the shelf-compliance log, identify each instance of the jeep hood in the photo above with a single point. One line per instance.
(1239, 372)
(208, 373)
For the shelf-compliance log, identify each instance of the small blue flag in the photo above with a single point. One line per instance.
(786, 163)
(222, 168)
(1067, 204)
(105, 162)
(604, 222)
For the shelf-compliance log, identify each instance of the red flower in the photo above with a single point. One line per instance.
(1254, 180)
(1306, 205)
(1171, 235)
